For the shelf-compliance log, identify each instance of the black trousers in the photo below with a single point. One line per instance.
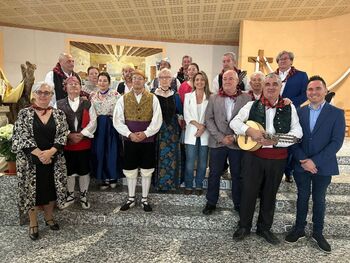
(259, 175)
(139, 155)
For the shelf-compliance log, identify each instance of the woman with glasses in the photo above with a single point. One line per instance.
(40, 134)
(168, 147)
(105, 144)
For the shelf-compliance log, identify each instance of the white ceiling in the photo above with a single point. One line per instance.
(189, 21)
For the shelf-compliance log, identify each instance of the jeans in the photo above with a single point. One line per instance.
(193, 153)
(319, 184)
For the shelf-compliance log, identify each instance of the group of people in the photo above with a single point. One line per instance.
(164, 131)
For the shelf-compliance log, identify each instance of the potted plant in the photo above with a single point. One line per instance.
(6, 133)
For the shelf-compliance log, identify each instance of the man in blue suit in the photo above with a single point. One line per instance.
(294, 84)
(315, 159)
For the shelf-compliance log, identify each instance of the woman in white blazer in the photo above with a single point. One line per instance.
(196, 134)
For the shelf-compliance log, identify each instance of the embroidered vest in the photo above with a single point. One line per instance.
(138, 116)
(281, 121)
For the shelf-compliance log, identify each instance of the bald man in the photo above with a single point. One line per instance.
(62, 70)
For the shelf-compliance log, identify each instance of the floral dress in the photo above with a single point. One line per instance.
(26, 138)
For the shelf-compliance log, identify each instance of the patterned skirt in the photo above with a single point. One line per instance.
(168, 157)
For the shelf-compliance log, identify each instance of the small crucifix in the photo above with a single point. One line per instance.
(261, 61)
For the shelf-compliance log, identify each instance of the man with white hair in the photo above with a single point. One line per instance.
(62, 70)
(221, 109)
(255, 83)
(262, 170)
(229, 62)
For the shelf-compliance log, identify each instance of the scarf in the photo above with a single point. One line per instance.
(291, 72)
(265, 102)
(58, 70)
(222, 93)
(44, 110)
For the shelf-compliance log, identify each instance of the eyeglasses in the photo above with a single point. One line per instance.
(137, 78)
(43, 93)
(73, 84)
(284, 58)
(165, 77)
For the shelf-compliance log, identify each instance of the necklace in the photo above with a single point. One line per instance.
(104, 92)
(164, 90)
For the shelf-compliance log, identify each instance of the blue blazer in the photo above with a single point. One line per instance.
(322, 144)
(295, 88)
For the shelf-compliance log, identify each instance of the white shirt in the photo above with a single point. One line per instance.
(49, 80)
(229, 105)
(127, 89)
(283, 75)
(215, 85)
(119, 118)
(89, 130)
(240, 128)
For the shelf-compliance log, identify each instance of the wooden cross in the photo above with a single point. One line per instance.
(261, 61)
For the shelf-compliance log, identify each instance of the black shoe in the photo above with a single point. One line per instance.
(129, 203)
(268, 236)
(240, 234)
(33, 232)
(146, 206)
(288, 178)
(294, 235)
(209, 209)
(321, 242)
(52, 224)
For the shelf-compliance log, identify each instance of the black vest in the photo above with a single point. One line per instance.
(121, 88)
(59, 87)
(71, 115)
(180, 76)
(281, 121)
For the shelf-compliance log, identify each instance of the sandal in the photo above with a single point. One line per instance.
(53, 226)
(34, 235)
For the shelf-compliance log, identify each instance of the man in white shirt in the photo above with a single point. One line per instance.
(221, 109)
(262, 170)
(255, 84)
(55, 77)
(138, 117)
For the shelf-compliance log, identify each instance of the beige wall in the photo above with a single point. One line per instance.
(1, 51)
(43, 48)
(320, 46)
